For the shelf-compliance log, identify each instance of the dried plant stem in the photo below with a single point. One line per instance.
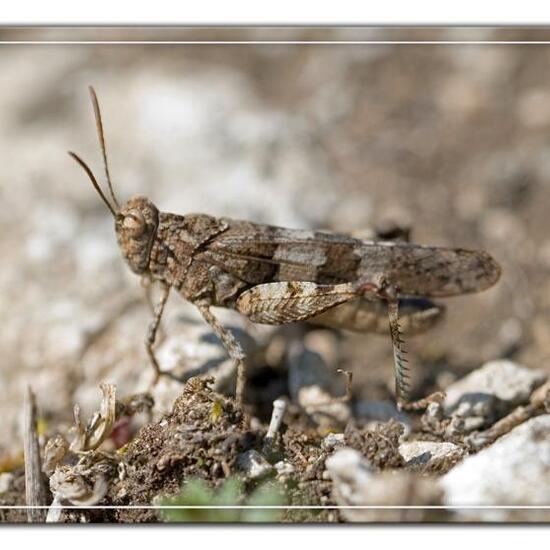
(279, 408)
(538, 404)
(349, 382)
(421, 404)
(35, 491)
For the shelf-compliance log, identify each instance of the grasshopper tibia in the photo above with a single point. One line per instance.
(232, 347)
(152, 332)
(401, 367)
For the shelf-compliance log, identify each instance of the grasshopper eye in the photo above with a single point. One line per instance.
(134, 223)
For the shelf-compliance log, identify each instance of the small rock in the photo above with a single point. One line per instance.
(356, 484)
(432, 419)
(253, 465)
(515, 470)
(499, 384)
(350, 471)
(422, 453)
(481, 406)
(284, 468)
(333, 440)
(6, 479)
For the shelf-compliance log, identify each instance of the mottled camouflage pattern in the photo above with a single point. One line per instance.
(217, 259)
(276, 275)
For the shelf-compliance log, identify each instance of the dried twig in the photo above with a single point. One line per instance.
(349, 380)
(279, 408)
(539, 403)
(35, 491)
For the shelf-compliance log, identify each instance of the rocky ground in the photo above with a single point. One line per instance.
(452, 141)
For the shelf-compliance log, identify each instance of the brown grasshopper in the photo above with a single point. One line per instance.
(275, 275)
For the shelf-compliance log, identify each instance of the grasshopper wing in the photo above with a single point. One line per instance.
(428, 271)
(257, 254)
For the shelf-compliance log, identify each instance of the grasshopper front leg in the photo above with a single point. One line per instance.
(231, 345)
(152, 331)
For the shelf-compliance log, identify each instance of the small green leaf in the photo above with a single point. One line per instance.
(197, 492)
(217, 410)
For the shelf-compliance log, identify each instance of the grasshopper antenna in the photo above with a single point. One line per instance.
(86, 169)
(101, 136)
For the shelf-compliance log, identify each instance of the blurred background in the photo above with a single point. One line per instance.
(452, 140)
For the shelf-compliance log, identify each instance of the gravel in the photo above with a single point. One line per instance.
(515, 470)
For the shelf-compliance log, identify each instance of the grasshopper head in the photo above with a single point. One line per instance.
(136, 221)
(136, 225)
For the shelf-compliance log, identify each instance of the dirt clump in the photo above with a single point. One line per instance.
(201, 438)
(379, 445)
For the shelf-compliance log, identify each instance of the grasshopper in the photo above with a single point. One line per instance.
(275, 275)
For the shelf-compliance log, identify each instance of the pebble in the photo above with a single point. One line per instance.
(333, 440)
(421, 453)
(515, 470)
(253, 465)
(350, 472)
(381, 411)
(284, 468)
(355, 483)
(500, 385)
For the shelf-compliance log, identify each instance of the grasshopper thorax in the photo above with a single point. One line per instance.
(136, 224)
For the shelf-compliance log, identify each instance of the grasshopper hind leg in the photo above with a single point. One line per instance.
(401, 367)
(232, 346)
(400, 362)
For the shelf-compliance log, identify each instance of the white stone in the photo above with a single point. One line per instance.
(356, 484)
(503, 379)
(423, 452)
(253, 465)
(333, 440)
(284, 468)
(350, 472)
(515, 470)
